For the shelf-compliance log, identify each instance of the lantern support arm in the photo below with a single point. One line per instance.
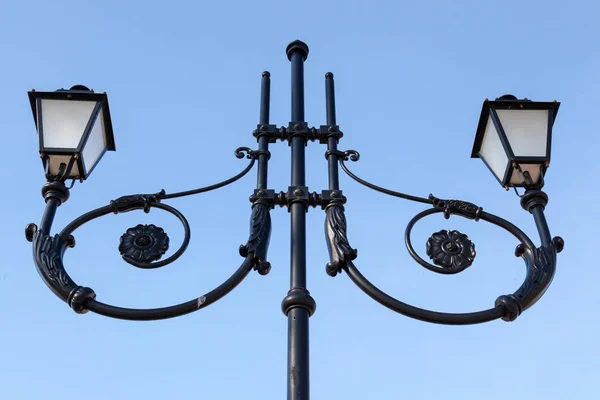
(355, 156)
(139, 247)
(239, 153)
(452, 253)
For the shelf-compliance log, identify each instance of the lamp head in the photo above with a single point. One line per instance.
(74, 130)
(514, 139)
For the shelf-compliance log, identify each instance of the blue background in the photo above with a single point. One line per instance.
(183, 81)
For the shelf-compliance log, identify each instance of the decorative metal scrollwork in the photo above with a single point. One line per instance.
(135, 202)
(457, 207)
(144, 243)
(258, 242)
(453, 252)
(48, 251)
(143, 246)
(451, 249)
(337, 241)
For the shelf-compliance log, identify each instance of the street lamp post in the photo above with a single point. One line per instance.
(513, 139)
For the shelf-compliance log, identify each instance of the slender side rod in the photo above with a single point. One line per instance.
(297, 304)
(263, 140)
(332, 159)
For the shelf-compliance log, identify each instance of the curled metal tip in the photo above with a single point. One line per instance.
(242, 152)
(352, 154)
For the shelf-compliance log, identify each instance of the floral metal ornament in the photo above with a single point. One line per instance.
(451, 249)
(144, 243)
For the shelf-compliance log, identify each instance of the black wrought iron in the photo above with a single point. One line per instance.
(355, 156)
(145, 245)
(48, 250)
(298, 305)
(540, 262)
(339, 248)
(135, 202)
(457, 207)
(260, 234)
(451, 250)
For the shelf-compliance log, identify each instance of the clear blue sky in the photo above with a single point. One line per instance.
(183, 81)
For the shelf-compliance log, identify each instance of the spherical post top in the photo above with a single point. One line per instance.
(297, 46)
(81, 88)
(76, 88)
(507, 97)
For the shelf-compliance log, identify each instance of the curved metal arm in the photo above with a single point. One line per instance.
(415, 312)
(540, 261)
(179, 309)
(251, 154)
(354, 156)
(540, 264)
(139, 246)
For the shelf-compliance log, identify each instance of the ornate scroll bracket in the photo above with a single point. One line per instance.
(541, 266)
(135, 202)
(338, 246)
(143, 249)
(353, 155)
(457, 207)
(48, 253)
(250, 154)
(260, 235)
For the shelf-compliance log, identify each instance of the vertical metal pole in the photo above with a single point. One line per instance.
(48, 216)
(263, 140)
(298, 305)
(55, 193)
(541, 224)
(332, 140)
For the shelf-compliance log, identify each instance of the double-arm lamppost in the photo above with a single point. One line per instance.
(513, 139)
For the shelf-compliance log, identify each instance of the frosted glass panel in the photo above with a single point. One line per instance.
(55, 162)
(526, 130)
(492, 151)
(533, 169)
(95, 144)
(63, 122)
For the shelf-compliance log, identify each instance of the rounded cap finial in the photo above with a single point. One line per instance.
(297, 46)
(507, 97)
(80, 87)
(76, 88)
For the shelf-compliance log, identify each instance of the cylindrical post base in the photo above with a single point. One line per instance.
(298, 355)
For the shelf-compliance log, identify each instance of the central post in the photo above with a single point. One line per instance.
(298, 305)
